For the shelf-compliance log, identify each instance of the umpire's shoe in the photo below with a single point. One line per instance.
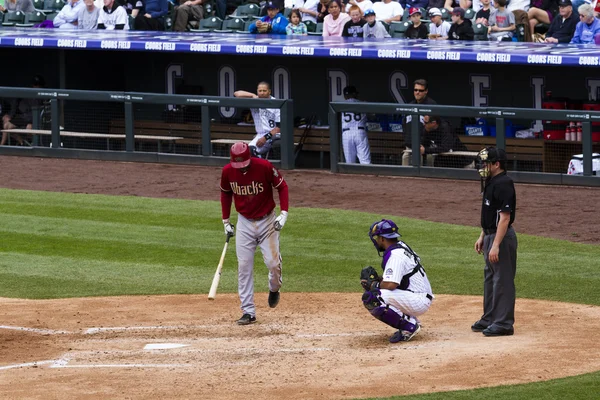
(478, 326)
(246, 319)
(273, 299)
(495, 330)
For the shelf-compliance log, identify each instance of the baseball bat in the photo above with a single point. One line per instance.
(215, 283)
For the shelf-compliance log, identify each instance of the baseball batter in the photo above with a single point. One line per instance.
(354, 132)
(249, 182)
(266, 120)
(403, 292)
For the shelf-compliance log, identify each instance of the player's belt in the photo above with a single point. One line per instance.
(260, 218)
(430, 297)
(351, 129)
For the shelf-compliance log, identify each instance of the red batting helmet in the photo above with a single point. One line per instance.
(240, 155)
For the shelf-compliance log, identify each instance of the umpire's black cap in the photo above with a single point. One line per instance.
(495, 154)
(348, 90)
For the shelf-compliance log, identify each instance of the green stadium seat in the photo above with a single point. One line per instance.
(231, 25)
(32, 19)
(209, 25)
(398, 29)
(51, 16)
(12, 18)
(287, 12)
(446, 15)
(470, 14)
(55, 5)
(318, 30)
(246, 11)
(310, 26)
(481, 32)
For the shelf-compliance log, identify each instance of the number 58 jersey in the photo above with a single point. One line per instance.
(354, 121)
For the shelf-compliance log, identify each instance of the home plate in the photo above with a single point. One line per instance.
(164, 346)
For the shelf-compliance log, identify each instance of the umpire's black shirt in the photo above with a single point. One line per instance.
(498, 196)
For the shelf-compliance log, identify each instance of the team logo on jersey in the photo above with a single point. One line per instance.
(388, 271)
(275, 173)
(247, 190)
(487, 202)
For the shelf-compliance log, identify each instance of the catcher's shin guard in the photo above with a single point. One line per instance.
(388, 316)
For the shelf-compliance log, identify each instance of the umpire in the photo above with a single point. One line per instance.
(498, 242)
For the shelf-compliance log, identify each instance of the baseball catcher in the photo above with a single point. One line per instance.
(404, 291)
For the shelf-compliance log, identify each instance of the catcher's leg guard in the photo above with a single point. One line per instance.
(388, 316)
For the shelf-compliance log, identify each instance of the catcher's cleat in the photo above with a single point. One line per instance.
(246, 319)
(405, 336)
(273, 299)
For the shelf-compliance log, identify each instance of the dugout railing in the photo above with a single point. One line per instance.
(54, 98)
(500, 115)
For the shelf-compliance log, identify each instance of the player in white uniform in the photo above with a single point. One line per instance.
(403, 292)
(265, 120)
(354, 132)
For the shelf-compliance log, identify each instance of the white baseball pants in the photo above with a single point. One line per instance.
(356, 144)
(406, 302)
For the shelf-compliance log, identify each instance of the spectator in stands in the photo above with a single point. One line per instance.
(20, 114)
(296, 27)
(354, 27)
(483, 15)
(588, 26)
(417, 30)
(450, 5)
(113, 17)
(133, 7)
(421, 93)
(502, 23)
(439, 4)
(438, 138)
(274, 22)
(414, 3)
(374, 28)
(461, 28)
(333, 24)
(153, 18)
(438, 28)
(388, 11)
(68, 16)
(563, 26)
(364, 5)
(322, 10)
(541, 12)
(25, 6)
(308, 9)
(87, 19)
(191, 10)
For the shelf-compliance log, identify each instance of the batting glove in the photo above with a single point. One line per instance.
(229, 227)
(280, 221)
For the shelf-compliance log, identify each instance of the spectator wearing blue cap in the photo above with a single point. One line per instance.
(274, 22)
(374, 28)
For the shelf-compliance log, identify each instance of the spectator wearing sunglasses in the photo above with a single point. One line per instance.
(421, 94)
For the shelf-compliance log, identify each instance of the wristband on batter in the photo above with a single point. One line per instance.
(268, 136)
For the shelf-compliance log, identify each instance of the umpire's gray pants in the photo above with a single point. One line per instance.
(499, 282)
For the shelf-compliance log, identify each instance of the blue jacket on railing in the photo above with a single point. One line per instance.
(156, 8)
(278, 24)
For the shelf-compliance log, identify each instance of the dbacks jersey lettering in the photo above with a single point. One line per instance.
(252, 190)
(265, 119)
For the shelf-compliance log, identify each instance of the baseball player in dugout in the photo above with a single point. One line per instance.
(403, 292)
(354, 132)
(249, 182)
(266, 120)
(498, 243)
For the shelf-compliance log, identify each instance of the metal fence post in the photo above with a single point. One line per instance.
(206, 146)
(586, 147)
(129, 130)
(334, 140)
(287, 135)
(415, 137)
(500, 134)
(55, 124)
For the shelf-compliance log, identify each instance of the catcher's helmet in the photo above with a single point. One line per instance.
(240, 155)
(489, 155)
(385, 228)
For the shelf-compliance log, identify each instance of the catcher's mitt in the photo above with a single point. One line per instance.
(369, 279)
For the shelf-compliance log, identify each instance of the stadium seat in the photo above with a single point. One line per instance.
(398, 29)
(50, 16)
(209, 25)
(446, 15)
(246, 11)
(12, 18)
(32, 19)
(405, 16)
(310, 26)
(470, 14)
(131, 22)
(55, 5)
(318, 31)
(481, 32)
(287, 12)
(40, 6)
(231, 25)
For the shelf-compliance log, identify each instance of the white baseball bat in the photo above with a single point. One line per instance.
(215, 283)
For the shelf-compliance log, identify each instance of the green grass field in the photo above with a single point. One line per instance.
(57, 245)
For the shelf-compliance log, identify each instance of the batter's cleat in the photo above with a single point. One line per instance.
(405, 336)
(273, 299)
(478, 326)
(246, 319)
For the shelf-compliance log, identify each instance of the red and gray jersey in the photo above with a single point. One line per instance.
(252, 190)
(265, 119)
(356, 122)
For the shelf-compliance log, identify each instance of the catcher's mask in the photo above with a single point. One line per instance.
(240, 155)
(385, 228)
(486, 156)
